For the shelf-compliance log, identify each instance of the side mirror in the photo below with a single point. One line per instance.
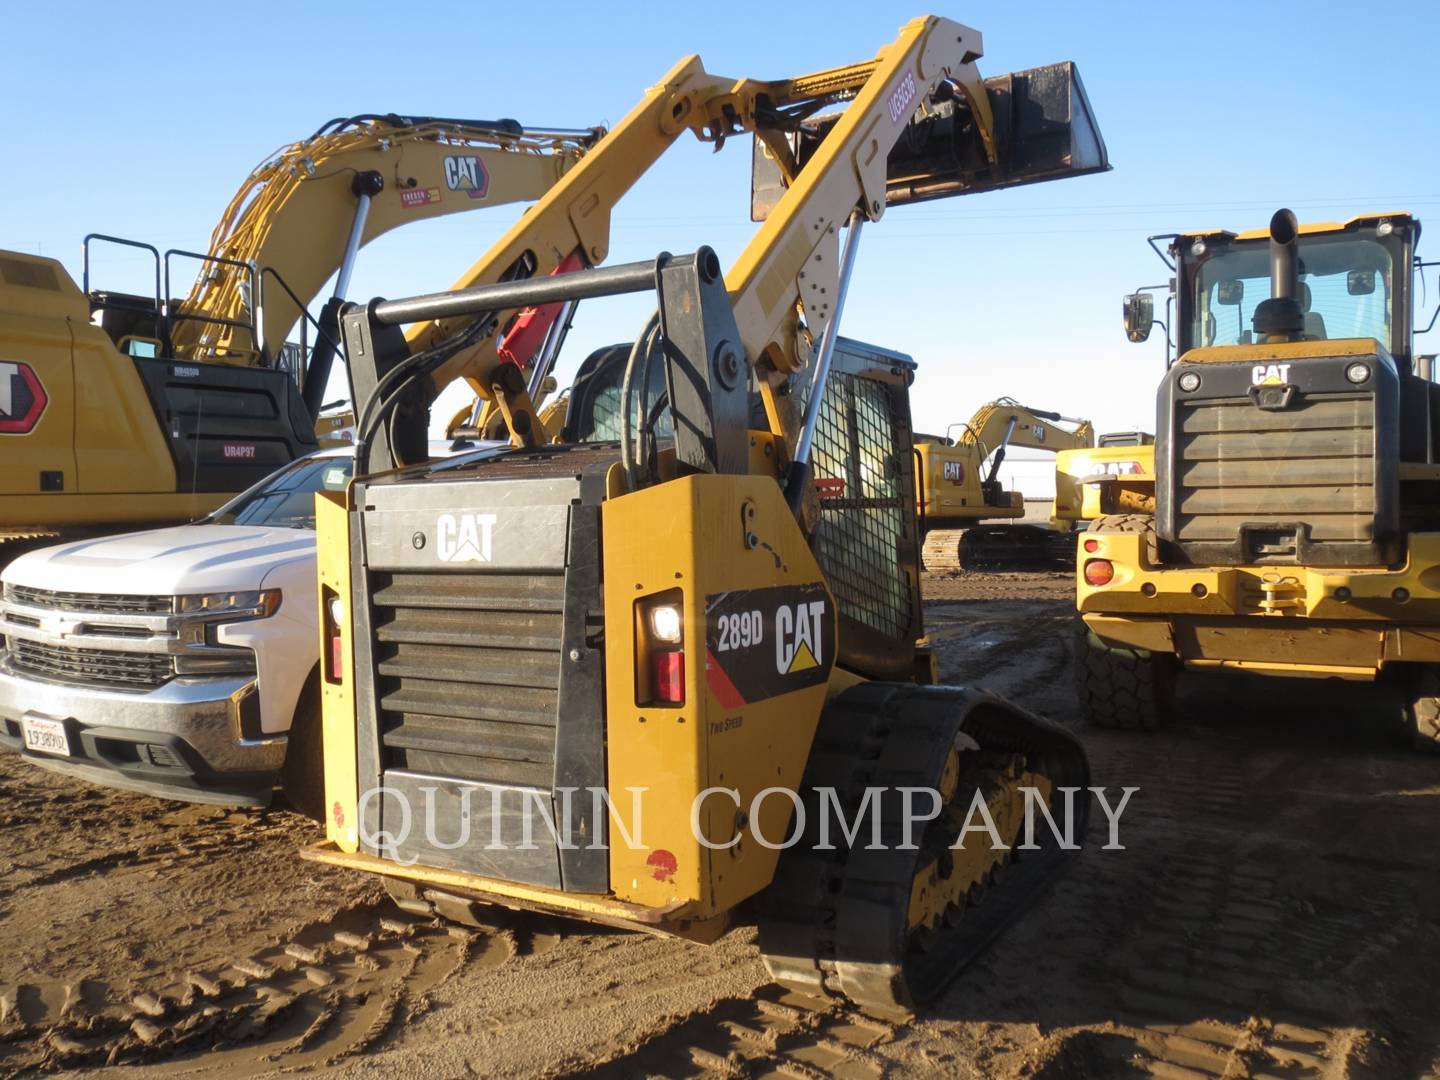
(1230, 293)
(1360, 282)
(1139, 316)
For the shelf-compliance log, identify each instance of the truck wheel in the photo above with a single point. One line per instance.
(1121, 687)
(1423, 711)
(302, 777)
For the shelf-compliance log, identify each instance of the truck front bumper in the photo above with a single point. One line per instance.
(192, 739)
(1277, 620)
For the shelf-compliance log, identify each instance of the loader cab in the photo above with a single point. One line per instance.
(1354, 282)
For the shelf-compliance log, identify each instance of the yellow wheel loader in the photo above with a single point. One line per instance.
(607, 672)
(1295, 530)
(960, 488)
(1116, 476)
(121, 409)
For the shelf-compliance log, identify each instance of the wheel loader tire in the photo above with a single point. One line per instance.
(1423, 711)
(302, 777)
(1120, 687)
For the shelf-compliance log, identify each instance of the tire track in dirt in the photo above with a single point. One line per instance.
(334, 989)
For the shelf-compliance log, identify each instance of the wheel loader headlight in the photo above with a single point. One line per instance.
(665, 623)
(1357, 373)
(1189, 382)
(254, 604)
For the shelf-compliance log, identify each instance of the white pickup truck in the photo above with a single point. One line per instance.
(176, 661)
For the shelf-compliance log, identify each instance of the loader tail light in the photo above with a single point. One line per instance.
(1099, 571)
(668, 673)
(660, 649)
(335, 638)
(1092, 545)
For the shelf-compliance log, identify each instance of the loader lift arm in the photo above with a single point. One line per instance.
(919, 102)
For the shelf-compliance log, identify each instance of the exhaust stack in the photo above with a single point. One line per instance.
(1281, 318)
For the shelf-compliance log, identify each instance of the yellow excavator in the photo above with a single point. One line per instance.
(121, 409)
(960, 488)
(606, 676)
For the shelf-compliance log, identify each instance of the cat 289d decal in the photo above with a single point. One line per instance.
(761, 643)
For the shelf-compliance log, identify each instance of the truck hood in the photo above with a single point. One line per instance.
(164, 562)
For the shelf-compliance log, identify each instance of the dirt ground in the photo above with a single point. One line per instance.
(1275, 912)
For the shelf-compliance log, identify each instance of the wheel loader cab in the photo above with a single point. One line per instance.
(1295, 529)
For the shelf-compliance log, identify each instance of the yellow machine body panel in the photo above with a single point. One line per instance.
(950, 485)
(1303, 621)
(73, 410)
(337, 702)
(1102, 480)
(752, 596)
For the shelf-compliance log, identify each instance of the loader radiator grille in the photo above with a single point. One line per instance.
(468, 674)
(862, 504)
(1238, 464)
(90, 667)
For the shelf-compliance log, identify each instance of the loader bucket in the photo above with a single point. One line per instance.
(1045, 130)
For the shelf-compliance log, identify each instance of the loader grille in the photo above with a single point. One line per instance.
(1237, 464)
(90, 667)
(468, 673)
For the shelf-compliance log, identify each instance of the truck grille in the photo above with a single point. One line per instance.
(469, 674)
(90, 667)
(109, 603)
(1313, 463)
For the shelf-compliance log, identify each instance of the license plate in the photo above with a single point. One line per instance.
(47, 736)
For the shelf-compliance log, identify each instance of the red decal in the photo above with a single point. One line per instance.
(22, 398)
(526, 332)
(414, 197)
(830, 487)
(721, 687)
(240, 451)
(663, 864)
(338, 812)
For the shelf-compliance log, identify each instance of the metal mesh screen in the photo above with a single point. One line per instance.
(862, 503)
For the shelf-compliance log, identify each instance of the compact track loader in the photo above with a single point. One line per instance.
(604, 671)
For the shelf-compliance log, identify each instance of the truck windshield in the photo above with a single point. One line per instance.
(286, 498)
(1345, 290)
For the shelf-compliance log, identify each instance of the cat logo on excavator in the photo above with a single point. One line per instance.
(22, 398)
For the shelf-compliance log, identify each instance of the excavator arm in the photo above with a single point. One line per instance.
(919, 123)
(1004, 422)
(298, 218)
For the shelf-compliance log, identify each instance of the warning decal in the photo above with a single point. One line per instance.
(761, 643)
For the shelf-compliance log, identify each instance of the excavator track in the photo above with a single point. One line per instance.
(888, 929)
(997, 547)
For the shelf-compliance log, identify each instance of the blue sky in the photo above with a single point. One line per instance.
(144, 123)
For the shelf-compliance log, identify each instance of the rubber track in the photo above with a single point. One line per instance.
(836, 919)
(997, 547)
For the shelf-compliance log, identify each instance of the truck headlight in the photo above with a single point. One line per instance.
(255, 604)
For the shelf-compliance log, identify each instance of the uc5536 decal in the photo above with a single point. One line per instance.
(764, 642)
